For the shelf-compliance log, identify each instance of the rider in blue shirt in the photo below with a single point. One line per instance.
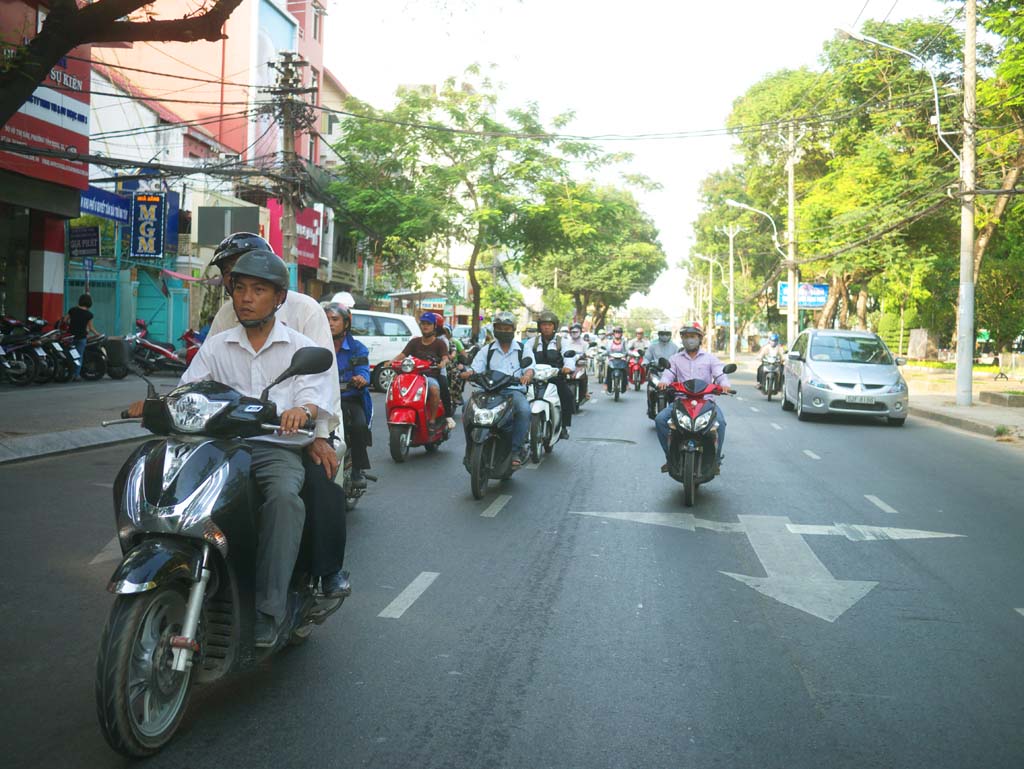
(356, 404)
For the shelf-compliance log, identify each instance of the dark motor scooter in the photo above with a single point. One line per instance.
(185, 509)
(489, 448)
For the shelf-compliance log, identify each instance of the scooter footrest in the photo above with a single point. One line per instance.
(183, 642)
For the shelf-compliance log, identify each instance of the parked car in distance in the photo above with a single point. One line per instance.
(385, 335)
(831, 371)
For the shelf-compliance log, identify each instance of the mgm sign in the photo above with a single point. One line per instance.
(147, 226)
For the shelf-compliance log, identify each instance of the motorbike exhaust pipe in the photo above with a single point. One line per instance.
(185, 645)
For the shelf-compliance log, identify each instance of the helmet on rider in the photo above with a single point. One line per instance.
(262, 264)
(640, 331)
(575, 330)
(773, 338)
(233, 246)
(339, 317)
(507, 323)
(664, 333)
(547, 317)
(617, 330)
(428, 324)
(692, 335)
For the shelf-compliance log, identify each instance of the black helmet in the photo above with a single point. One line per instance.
(577, 326)
(340, 310)
(236, 244)
(547, 317)
(265, 264)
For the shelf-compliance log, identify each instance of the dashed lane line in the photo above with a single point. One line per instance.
(110, 552)
(811, 454)
(408, 597)
(880, 504)
(496, 506)
(754, 408)
(776, 426)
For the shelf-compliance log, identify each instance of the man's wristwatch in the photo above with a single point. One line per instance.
(309, 414)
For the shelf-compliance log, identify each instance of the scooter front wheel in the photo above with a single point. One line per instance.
(140, 699)
(689, 479)
(536, 438)
(398, 441)
(478, 473)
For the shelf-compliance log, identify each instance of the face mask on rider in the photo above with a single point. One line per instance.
(575, 334)
(691, 343)
(504, 337)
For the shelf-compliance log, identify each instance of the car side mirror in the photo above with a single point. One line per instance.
(308, 360)
(729, 368)
(794, 356)
(901, 361)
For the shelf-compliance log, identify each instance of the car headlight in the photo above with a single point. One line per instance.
(899, 387)
(408, 366)
(683, 420)
(702, 420)
(814, 382)
(489, 416)
(190, 412)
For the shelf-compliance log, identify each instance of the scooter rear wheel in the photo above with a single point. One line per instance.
(93, 366)
(535, 438)
(140, 700)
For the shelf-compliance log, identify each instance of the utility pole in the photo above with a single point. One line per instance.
(293, 115)
(731, 231)
(793, 155)
(965, 319)
(709, 332)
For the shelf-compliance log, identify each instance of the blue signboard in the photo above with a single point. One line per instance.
(811, 296)
(148, 226)
(105, 204)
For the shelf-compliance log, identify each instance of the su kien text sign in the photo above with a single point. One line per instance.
(147, 228)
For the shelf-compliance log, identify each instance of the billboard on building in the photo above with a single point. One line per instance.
(56, 115)
(307, 226)
(147, 238)
(810, 296)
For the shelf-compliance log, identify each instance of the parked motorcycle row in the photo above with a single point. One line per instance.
(34, 351)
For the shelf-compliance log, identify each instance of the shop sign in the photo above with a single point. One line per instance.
(147, 228)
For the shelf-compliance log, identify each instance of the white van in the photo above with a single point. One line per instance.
(385, 335)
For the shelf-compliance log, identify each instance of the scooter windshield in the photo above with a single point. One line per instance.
(695, 386)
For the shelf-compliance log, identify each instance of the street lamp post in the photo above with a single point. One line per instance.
(792, 327)
(965, 310)
(731, 232)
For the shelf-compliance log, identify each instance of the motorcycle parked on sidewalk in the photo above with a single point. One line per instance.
(618, 365)
(637, 370)
(150, 356)
(19, 357)
(545, 409)
(489, 412)
(185, 513)
(406, 404)
(771, 383)
(693, 433)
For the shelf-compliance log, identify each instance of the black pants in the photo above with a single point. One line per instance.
(566, 399)
(325, 519)
(357, 432)
(446, 393)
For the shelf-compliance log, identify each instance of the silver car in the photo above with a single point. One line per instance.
(844, 372)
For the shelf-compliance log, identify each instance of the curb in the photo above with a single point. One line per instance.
(962, 423)
(46, 444)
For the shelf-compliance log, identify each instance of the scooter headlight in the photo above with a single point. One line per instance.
(487, 417)
(190, 412)
(408, 366)
(702, 420)
(683, 420)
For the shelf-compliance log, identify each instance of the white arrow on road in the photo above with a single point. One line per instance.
(795, 576)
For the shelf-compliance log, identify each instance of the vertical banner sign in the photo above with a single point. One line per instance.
(147, 241)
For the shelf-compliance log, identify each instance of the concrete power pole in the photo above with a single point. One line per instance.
(965, 318)
(293, 115)
(793, 155)
(731, 231)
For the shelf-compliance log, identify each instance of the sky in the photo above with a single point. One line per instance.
(634, 67)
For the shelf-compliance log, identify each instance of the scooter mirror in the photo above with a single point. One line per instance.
(663, 362)
(569, 354)
(308, 360)
(729, 368)
(527, 362)
(593, 344)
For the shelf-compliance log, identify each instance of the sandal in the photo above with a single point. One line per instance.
(517, 463)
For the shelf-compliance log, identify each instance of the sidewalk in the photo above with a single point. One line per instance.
(37, 420)
(982, 418)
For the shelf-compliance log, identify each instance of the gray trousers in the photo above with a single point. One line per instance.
(279, 475)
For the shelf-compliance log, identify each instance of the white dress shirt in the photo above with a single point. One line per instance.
(228, 358)
(304, 314)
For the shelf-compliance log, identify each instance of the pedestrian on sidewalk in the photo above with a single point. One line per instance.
(79, 320)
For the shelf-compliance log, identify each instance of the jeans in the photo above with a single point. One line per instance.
(80, 346)
(661, 425)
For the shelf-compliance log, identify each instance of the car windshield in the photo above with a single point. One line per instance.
(850, 349)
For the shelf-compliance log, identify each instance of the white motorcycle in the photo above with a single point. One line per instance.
(545, 409)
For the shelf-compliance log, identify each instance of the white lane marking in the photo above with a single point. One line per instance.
(408, 597)
(1020, 611)
(495, 507)
(740, 398)
(104, 485)
(858, 533)
(811, 454)
(110, 552)
(776, 426)
(795, 575)
(754, 408)
(880, 504)
(528, 465)
(686, 521)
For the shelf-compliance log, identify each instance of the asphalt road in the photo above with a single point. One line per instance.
(811, 610)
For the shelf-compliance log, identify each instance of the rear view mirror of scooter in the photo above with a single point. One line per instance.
(308, 360)
(729, 368)
(663, 362)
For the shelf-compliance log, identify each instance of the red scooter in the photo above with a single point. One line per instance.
(406, 404)
(637, 370)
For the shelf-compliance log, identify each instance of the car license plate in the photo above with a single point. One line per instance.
(860, 399)
(74, 354)
(40, 352)
(57, 347)
(2, 351)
